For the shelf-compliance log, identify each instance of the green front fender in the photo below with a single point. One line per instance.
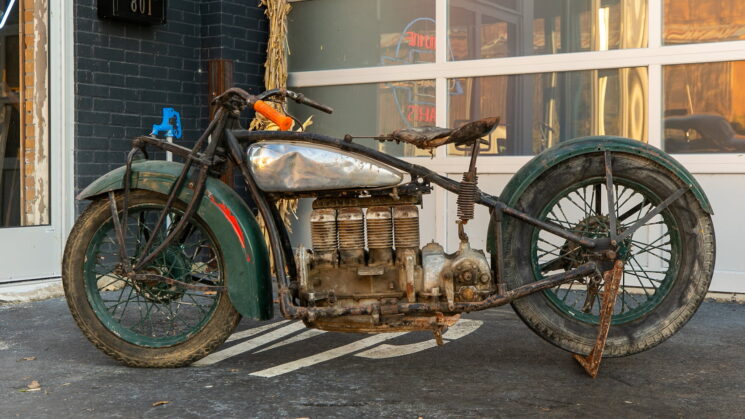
(245, 255)
(566, 150)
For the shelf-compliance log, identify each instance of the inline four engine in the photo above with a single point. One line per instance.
(370, 255)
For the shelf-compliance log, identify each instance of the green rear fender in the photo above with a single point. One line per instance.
(566, 150)
(245, 254)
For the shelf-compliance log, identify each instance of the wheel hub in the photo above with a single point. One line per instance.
(171, 264)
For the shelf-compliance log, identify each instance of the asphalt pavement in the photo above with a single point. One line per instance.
(491, 366)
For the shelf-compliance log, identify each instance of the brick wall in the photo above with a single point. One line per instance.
(126, 73)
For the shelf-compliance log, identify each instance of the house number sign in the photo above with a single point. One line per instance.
(148, 12)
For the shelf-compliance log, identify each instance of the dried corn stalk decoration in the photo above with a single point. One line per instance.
(275, 76)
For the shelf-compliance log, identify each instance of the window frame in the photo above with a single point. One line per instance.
(654, 57)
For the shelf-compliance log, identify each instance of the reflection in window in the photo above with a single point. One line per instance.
(538, 111)
(372, 109)
(694, 21)
(704, 107)
(494, 28)
(332, 34)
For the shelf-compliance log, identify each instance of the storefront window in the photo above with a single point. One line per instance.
(24, 147)
(332, 34)
(373, 109)
(704, 107)
(495, 28)
(538, 111)
(695, 21)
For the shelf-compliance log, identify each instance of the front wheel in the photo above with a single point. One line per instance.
(146, 323)
(667, 271)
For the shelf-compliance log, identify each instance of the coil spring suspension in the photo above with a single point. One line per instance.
(467, 196)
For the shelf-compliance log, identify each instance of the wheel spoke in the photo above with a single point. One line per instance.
(611, 195)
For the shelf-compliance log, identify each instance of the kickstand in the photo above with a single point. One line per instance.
(612, 280)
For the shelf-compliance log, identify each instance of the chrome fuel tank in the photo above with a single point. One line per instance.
(286, 166)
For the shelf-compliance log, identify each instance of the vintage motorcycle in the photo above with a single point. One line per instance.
(602, 245)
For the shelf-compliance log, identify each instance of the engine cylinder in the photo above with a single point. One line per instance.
(380, 235)
(324, 235)
(351, 224)
(406, 226)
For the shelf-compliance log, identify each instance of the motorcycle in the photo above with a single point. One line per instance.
(604, 246)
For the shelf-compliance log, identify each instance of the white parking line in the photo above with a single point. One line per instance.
(297, 338)
(255, 331)
(457, 331)
(249, 344)
(325, 356)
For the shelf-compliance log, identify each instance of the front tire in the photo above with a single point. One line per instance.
(665, 278)
(138, 323)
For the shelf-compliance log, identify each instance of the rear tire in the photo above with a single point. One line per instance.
(659, 297)
(146, 325)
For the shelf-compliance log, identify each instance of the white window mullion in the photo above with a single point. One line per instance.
(441, 31)
(654, 22)
(654, 111)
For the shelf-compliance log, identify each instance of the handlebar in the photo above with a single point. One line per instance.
(284, 122)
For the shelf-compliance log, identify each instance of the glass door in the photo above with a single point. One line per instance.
(29, 244)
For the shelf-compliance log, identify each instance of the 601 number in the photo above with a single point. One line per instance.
(143, 7)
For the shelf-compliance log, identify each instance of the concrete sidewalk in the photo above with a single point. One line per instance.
(498, 368)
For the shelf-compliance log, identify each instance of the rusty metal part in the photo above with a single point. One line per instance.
(302, 261)
(406, 227)
(351, 225)
(379, 228)
(367, 202)
(323, 229)
(119, 233)
(387, 324)
(467, 194)
(312, 313)
(323, 234)
(351, 228)
(497, 257)
(170, 281)
(433, 263)
(409, 267)
(593, 286)
(612, 280)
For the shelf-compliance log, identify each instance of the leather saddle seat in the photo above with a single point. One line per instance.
(432, 137)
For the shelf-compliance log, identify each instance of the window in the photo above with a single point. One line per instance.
(704, 107)
(327, 34)
(695, 21)
(373, 109)
(540, 110)
(493, 29)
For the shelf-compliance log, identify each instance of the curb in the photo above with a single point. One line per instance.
(26, 292)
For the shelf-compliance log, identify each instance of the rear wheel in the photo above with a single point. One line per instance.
(147, 323)
(665, 277)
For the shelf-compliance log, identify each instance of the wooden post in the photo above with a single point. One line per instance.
(220, 74)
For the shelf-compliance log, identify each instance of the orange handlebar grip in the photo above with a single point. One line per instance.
(284, 122)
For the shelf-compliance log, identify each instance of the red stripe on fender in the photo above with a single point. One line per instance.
(231, 218)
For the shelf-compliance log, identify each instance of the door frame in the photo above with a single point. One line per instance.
(28, 253)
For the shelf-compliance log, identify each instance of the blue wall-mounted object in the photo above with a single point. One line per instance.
(171, 124)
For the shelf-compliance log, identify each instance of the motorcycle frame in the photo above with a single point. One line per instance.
(229, 141)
